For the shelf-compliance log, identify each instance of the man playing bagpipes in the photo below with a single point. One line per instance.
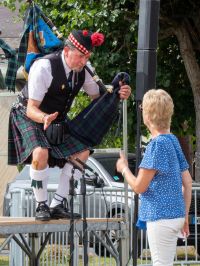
(40, 133)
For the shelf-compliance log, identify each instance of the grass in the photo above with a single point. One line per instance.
(53, 256)
(4, 261)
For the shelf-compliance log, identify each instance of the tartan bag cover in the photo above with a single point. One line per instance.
(91, 125)
(11, 72)
(41, 39)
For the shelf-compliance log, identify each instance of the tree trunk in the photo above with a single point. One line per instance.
(186, 145)
(193, 72)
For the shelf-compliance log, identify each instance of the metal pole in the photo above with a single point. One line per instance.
(34, 261)
(71, 231)
(85, 233)
(125, 148)
(138, 159)
(16, 256)
(145, 80)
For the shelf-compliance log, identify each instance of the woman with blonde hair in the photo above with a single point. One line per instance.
(163, 180)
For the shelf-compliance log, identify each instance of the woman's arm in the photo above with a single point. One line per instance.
(187, 189)
(139, 184)
(187, 193)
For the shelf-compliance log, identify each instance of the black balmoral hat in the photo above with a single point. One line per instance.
(85, 40)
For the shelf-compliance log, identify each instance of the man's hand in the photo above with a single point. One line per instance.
(125, 91)
(122, 81)
(48, 119)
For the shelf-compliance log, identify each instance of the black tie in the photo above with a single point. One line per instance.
(70, 79)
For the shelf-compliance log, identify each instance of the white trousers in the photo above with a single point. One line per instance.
(162, 237)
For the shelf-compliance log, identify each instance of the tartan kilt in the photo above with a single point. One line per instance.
(25, 135)
(90, 126)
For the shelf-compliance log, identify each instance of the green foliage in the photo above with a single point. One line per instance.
(9, 3)
(172, 77)
(80, 102)
(180, 8)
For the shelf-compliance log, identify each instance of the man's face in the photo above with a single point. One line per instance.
(75, 59)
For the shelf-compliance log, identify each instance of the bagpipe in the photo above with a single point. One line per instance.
(91, 125)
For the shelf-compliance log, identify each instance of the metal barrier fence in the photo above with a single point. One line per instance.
(100, 203)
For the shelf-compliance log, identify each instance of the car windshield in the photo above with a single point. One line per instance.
(99, 169)
(105, 166)
(108, 161)
(110, 165)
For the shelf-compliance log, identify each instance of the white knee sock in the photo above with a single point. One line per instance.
(63, 186)
(39, 188)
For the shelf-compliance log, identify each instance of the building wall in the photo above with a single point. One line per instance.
(7, 173)
(11, 27)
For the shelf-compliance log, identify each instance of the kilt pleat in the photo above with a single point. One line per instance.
(25, 135)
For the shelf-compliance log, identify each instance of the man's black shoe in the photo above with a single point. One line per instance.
(60, 212)
(42, 212)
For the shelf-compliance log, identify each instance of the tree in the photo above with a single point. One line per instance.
(182, 20)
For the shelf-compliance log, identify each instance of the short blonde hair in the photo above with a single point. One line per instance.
(158, 107)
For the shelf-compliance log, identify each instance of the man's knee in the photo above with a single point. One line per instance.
(39, 158)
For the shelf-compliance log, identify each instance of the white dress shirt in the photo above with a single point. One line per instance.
(40, 78)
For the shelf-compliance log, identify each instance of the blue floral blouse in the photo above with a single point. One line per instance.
(163, 199)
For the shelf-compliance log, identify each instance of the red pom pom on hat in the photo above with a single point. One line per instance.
(85, 32)
(85, 40)
(97, 39)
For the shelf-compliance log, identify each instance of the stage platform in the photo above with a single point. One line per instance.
(24, 225)
(17, 229)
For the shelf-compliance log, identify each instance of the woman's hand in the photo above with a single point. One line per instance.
(121, 162)
(48, 119)
(185, 230)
